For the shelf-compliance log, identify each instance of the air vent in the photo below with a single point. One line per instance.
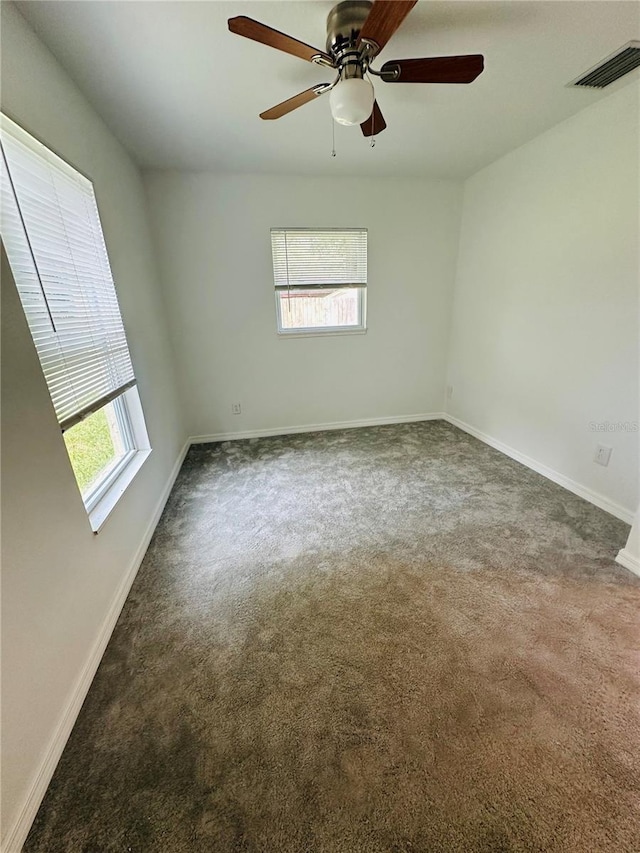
(612, 68)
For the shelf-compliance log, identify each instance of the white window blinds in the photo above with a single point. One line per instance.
(53, 238)
(308, 259)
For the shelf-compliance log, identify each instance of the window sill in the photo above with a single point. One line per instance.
(317, 333)
(99, 513)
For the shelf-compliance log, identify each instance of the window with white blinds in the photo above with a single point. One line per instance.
(305, 259)
(320, 278)
(53, 238)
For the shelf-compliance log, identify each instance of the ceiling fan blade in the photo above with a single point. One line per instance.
(383, 20)
(438, 69)
(297, 101)
(375, 124)
(247, 27)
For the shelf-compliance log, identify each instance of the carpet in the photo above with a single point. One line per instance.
(383, 639)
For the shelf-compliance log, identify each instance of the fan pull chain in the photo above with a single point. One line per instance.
(333, 137)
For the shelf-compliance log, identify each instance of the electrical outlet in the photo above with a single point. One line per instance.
(602, 454)
(449, 392)
(236, 409)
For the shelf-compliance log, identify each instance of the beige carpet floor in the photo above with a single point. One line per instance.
(389, 639)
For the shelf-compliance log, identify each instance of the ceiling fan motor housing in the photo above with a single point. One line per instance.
(352, 99)
(343, 27)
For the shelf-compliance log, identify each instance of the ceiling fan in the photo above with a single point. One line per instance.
(357, 30)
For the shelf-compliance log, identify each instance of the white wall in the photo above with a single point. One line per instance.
(545, 329)
(212, 236)
(59, 581)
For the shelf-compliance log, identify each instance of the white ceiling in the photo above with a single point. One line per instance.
(180, 91)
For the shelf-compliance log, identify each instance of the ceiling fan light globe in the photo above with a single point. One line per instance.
(351, 101)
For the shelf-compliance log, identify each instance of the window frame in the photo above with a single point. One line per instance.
(104, 496)
(111, 472)
(309, 331)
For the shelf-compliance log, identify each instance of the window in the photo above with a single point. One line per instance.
(320, 279)
(53, 238)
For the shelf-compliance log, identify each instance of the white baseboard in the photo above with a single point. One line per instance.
(17, 834)
(566, 482)
(627, 559)
(288, 430)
